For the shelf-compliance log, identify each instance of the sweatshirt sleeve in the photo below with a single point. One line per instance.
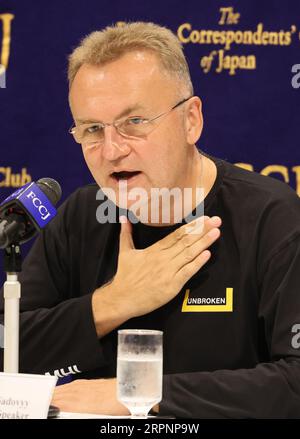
(55, 318)
(269, 390)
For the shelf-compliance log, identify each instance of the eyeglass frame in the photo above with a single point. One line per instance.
(115, 124)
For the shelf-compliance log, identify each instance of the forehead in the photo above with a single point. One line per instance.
(135, 78)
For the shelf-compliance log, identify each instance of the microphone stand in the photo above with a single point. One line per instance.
(12, 295)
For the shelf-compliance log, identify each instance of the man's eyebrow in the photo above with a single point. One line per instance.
(123, 113)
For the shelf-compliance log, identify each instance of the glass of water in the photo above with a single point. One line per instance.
(139, 370)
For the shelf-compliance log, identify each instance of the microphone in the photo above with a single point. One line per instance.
(28, 210)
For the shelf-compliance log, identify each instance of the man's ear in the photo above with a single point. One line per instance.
(193, 120)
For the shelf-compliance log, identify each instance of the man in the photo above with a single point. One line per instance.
(229, 314)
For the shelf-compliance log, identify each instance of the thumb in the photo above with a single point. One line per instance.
(126, 241)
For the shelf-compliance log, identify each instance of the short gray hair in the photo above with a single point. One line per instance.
(111, 43)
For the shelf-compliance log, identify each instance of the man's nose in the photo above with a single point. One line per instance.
(114, 144)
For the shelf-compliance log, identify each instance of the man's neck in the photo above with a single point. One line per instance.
(186, 199)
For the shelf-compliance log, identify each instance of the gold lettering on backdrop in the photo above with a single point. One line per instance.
(10, 179)
(228, 16)
(231, 63)
(6, 20)
(296, 169)
(246, 166)
(219, 60)
(227, 38)
(277, 169)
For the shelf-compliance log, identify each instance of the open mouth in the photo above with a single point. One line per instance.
(124, 175)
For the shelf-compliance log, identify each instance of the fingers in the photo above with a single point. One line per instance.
(190, 252)
(190, 269)
(126, 241)
(189, 233)
(195, 238)
(200, 226)
(195, 227)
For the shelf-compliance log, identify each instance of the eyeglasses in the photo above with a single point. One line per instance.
(131, 127)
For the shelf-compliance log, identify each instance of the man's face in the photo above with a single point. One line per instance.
(134, 85)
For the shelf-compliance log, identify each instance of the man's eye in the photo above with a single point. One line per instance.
(135, 121)
(93, 129)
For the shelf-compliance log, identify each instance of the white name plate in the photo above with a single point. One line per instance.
(25, 396)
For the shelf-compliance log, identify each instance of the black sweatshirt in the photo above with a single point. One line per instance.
(231, 336)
